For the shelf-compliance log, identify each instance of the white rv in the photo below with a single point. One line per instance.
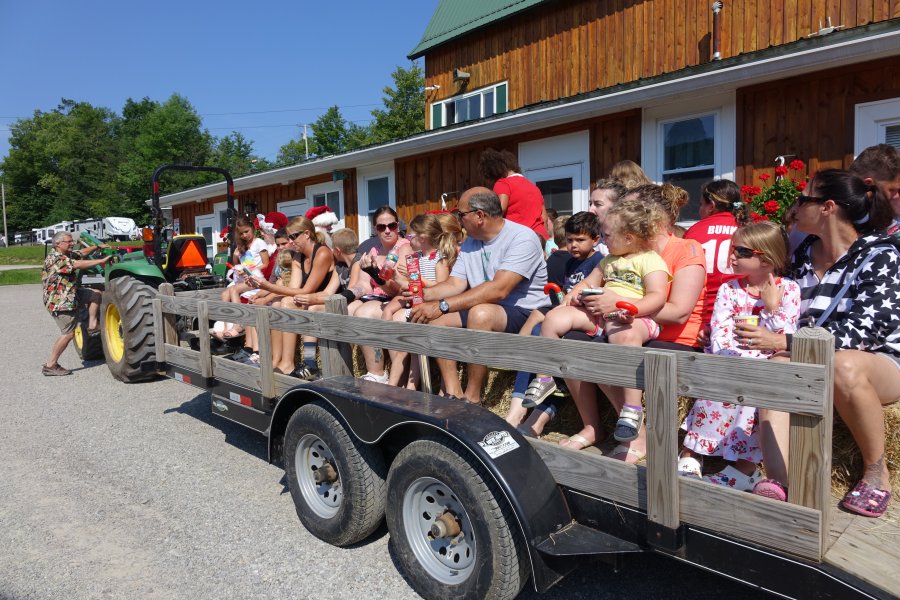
(119, 229)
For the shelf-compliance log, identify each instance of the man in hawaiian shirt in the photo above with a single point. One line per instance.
(63, 297)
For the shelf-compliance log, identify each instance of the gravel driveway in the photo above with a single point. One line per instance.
(123, 491)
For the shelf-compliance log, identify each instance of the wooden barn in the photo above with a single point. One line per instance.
(688, 90)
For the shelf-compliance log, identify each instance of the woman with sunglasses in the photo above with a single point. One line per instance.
(847, 270)
(387, 228)
(312, 270)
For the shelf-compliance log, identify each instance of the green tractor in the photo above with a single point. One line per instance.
(90, 347)
(126, 315)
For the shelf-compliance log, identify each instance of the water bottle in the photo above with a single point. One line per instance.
(387, 269)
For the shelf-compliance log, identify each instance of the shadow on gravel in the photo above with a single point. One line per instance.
(238, 436)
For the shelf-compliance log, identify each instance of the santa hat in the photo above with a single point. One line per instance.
(322, 217)
(272, 222)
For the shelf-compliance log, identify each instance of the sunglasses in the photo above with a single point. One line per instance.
(744, 252)
(802, 199)
(382, 227)
(459, 214)
(294, 236)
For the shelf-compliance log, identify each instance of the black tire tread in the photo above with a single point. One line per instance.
(134, 301)
(509, 554)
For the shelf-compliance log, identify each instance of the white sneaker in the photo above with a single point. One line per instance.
(376, 378)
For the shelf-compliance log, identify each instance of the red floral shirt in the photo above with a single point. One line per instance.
(60, 279)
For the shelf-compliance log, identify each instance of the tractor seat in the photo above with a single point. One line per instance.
(186, 255)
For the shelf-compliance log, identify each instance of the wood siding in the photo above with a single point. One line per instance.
(267, 199)
(570, 47)
(422, 179)
(811, 117)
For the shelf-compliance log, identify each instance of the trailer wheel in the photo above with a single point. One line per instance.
(452, 530)
(126, 328)
(88, 347)
(337, 482)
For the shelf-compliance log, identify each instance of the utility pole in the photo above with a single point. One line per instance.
(5, 235)
(305, 142)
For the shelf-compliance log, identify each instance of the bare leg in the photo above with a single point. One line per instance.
(482, 317)
(516, 412)
(399, 360)
(93, 310)
(288, 342)
(584, 394)
(59, 346)
(774, 437)
(374, 357)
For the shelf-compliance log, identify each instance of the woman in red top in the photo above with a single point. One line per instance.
(721, 212)
(521, 200)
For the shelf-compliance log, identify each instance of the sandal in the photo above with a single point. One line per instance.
(629, 424)
(866, 500)
(538, 391)
(688, 466)
(576, 442)
(771, 488)
(626, 452)
(731, 477)
(232, 333)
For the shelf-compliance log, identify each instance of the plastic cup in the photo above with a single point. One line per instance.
(746, 320)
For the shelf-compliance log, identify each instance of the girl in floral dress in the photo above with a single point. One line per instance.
(759, 253)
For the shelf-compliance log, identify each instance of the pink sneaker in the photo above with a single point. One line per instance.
(771, 488)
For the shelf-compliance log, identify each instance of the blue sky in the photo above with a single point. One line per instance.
(244, 66)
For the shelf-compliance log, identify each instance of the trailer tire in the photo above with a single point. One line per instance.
(126, 328)
(347, 505)
(87, 346)
(486, 558)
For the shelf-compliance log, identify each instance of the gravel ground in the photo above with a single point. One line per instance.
(123, 491)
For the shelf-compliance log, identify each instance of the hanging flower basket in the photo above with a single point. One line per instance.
(773, 202)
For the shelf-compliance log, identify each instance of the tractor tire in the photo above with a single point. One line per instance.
(451, 528)
(88, 347)
(336, 481)
(126, 328)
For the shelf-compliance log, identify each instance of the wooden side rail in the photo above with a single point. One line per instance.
(800, 388)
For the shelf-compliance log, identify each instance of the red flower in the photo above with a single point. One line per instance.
(755, 189)
(756, 217)
(771, 206)
(801, 185)
(764, 177)
(745, 190)
(797, 165)
(781, 171)
(224, 233)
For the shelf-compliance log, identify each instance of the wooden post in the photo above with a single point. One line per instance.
(660, 385)
(809, 463)
(159, 332)
(337, 357)
(206, 368)
(171, 332)
(264, 333)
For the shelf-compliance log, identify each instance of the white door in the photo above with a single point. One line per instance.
(559, 166)
(206, 225)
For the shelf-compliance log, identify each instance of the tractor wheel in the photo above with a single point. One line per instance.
(451, 529)
(336, 481)
(88, 347)
(126, 328)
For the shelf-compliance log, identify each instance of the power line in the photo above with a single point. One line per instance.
(263, 112)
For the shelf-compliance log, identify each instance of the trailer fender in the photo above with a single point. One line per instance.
(375, 413)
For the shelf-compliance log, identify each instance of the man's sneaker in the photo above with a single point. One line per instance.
(376, 378)
(54, 371)
(240, 356)
(304, 372)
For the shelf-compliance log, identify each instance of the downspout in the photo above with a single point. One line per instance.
(717, 30)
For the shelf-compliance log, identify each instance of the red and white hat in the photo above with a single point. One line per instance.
(322, 217)
(272, 222)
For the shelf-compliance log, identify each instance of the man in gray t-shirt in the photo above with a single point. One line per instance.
(498, 279)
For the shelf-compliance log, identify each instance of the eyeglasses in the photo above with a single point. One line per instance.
(69, 241)
(744, 252)
(382, 227)
(803, 199)
(459, 214)
(294, 236)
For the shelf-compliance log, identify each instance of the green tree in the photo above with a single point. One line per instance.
(330, 132)
(234, 152)
(404, 112)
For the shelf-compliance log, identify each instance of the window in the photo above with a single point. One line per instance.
(689, 143)
(328, 194)
(877, 123)
(485, 102)
(374, 188)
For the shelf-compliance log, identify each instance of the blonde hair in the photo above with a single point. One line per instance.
(452, 235)
(643, 220)
(770, 239)
(427, 226)
(628, 173)
(669, 197)
(285, 258)
(345, 240)
(559, 230)
(301, 224)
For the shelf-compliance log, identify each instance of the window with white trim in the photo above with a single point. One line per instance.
(330, 194)
(877, 123)
(690, 143)
(481, 103)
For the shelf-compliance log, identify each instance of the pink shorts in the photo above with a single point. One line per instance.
(651, 325)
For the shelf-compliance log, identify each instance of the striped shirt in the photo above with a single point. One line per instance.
(866, 318)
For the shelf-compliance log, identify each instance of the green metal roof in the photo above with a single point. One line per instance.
(453, 18)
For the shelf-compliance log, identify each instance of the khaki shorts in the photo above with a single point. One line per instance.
(67, 320)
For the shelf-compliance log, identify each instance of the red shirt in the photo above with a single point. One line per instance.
(526, 203)
(714, 234)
